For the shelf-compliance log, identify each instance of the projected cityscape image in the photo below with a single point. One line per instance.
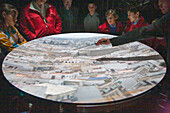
(71, 68)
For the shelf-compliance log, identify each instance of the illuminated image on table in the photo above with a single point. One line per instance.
(71, 68)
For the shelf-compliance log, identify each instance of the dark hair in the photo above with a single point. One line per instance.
(90, 2)
(8, 9)
(134, 9)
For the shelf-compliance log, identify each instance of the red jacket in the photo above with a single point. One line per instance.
(130, 26)
(152, 42)
(105, 28)
(32, 24)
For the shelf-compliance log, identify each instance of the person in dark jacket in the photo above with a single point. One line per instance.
(69, 16)
(39, 19)
(112, 26)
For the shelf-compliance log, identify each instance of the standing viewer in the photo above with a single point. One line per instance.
(39, 19)
(91, 21)
(69, 16)
(112, 26)
(10, 38)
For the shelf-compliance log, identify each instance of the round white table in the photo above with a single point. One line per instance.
(70, 68)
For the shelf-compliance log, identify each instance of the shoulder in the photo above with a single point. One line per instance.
(15, 28)
(128, 22)
(27, 7)
(51, 6)
(74, 9)
(25, 10)
(2, 34)
(119, 23)
(103, 25)
(165, 18)
(142, 21)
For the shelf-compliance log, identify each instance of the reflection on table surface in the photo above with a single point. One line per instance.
(64, 68)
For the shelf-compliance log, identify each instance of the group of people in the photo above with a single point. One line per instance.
(160, 28)
(40, 19)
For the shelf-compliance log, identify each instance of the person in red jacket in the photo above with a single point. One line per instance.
(39, 19)
(135, 20)
(112, 26)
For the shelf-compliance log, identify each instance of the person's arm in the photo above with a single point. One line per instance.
(21, 38)
(159, 28)
(6, 42)
(24, 23)
(58, 22)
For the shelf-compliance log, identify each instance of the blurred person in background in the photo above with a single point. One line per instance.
(91, 21)
(69, 16)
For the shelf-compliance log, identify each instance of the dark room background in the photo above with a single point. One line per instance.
(149, 9)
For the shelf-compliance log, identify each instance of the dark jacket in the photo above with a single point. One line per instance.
(105, 28)
(161, 28)
(69, 19)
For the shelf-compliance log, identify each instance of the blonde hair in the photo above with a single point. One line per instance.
(111, 12)
(8, 9)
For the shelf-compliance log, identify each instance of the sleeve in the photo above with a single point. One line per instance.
(159, 28)
(100, 28)
(98, 21)
(58, 22)
(19, 35)
(24, 23)
(6, 42)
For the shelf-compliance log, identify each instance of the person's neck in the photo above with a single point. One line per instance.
(91, 13)
(6, 25)
(136, 19)
(113, 24)
(39, 5)
(67, 9)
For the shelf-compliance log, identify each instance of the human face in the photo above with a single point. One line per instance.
(67, 4)
(10, 19)
(91, 8)
(164, 5)
(111, 19)
(40, 2)
(132, 16)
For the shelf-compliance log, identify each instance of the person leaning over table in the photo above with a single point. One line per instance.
(160, 28)
(10, 37)
(39, 19)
